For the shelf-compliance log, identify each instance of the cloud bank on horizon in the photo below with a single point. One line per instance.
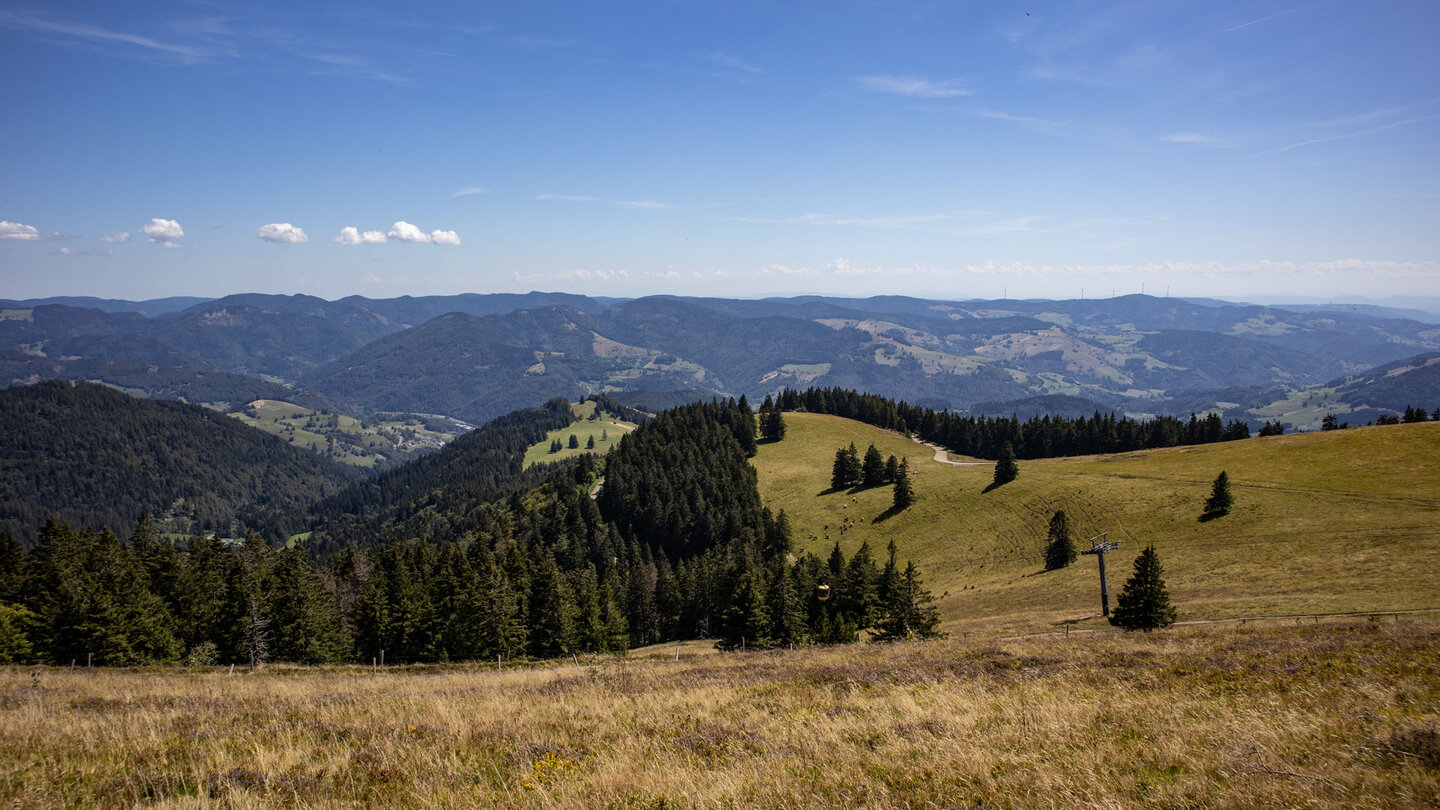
(1228, 148)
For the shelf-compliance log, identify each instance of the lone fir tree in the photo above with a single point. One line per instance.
(1006, 470)
(1144, 604)
(1060, 548)
(904, 490)
(1220, 500)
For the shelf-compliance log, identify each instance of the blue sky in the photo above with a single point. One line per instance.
(956, 149)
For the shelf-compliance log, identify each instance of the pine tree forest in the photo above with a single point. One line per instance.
(674, 545)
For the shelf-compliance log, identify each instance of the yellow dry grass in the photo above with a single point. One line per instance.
(1339, 714)
(1345, 521)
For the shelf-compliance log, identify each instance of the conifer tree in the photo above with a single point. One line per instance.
(904, 494)
(12, 568)
(305, 623)
(1006, 470)
(889, 582)
(787, 611)
(747, 620)
(574, 442)
(616, 637)
(1144, 604)
(909, 613)
(892, 469)
(1220, 500)
(840, 476)
(1060, 543)
(872, 469)
(500, 629)
(552, 609)
(590, 443)
(859, 589)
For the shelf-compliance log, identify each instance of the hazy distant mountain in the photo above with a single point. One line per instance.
(1393, 387)
(478, 356)
(150, 308)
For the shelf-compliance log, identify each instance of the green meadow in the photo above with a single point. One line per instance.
(604, 429)
(1338, 522)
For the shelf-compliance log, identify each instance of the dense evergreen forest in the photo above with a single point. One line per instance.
(435, 497)
(1038, 437)
(674, 545)
(95, 456)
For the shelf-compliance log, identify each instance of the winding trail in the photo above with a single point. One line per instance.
(942, 456)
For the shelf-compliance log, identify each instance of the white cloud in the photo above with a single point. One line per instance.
(65, 251)
(350, 235)
(118, 236)
(647, 204)
(915, 86)
(446, 238)
(24, 233)
(468, 191)
(163, 232)
(282, 232)
(403, 231)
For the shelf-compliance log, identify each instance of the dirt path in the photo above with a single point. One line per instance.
(944, 457)
(595, 490)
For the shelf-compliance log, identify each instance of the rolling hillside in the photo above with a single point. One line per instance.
(1328, 522)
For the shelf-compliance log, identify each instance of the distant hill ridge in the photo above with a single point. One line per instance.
(475, 357)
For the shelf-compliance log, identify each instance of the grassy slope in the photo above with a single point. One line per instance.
(1336, 715)
(606, 430)
(1326, 522)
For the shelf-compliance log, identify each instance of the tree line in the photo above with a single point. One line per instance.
(1038, 437)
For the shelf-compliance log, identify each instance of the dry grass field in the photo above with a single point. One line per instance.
(1345, 521)
(1334, 714)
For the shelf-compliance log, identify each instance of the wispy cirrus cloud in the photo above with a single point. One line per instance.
(730, 62)
(648, 204)
(93, 34)
(1360, 133)
(469, 191)
(576, 198)
(118, 236)
(915, 86)
(1189, 137)
(1266, 18)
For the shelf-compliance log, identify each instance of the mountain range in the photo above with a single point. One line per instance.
(474, 357)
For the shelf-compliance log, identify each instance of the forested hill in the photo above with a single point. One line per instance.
(435, 497)
(431, 496)
(678, 547)
(95, 456)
